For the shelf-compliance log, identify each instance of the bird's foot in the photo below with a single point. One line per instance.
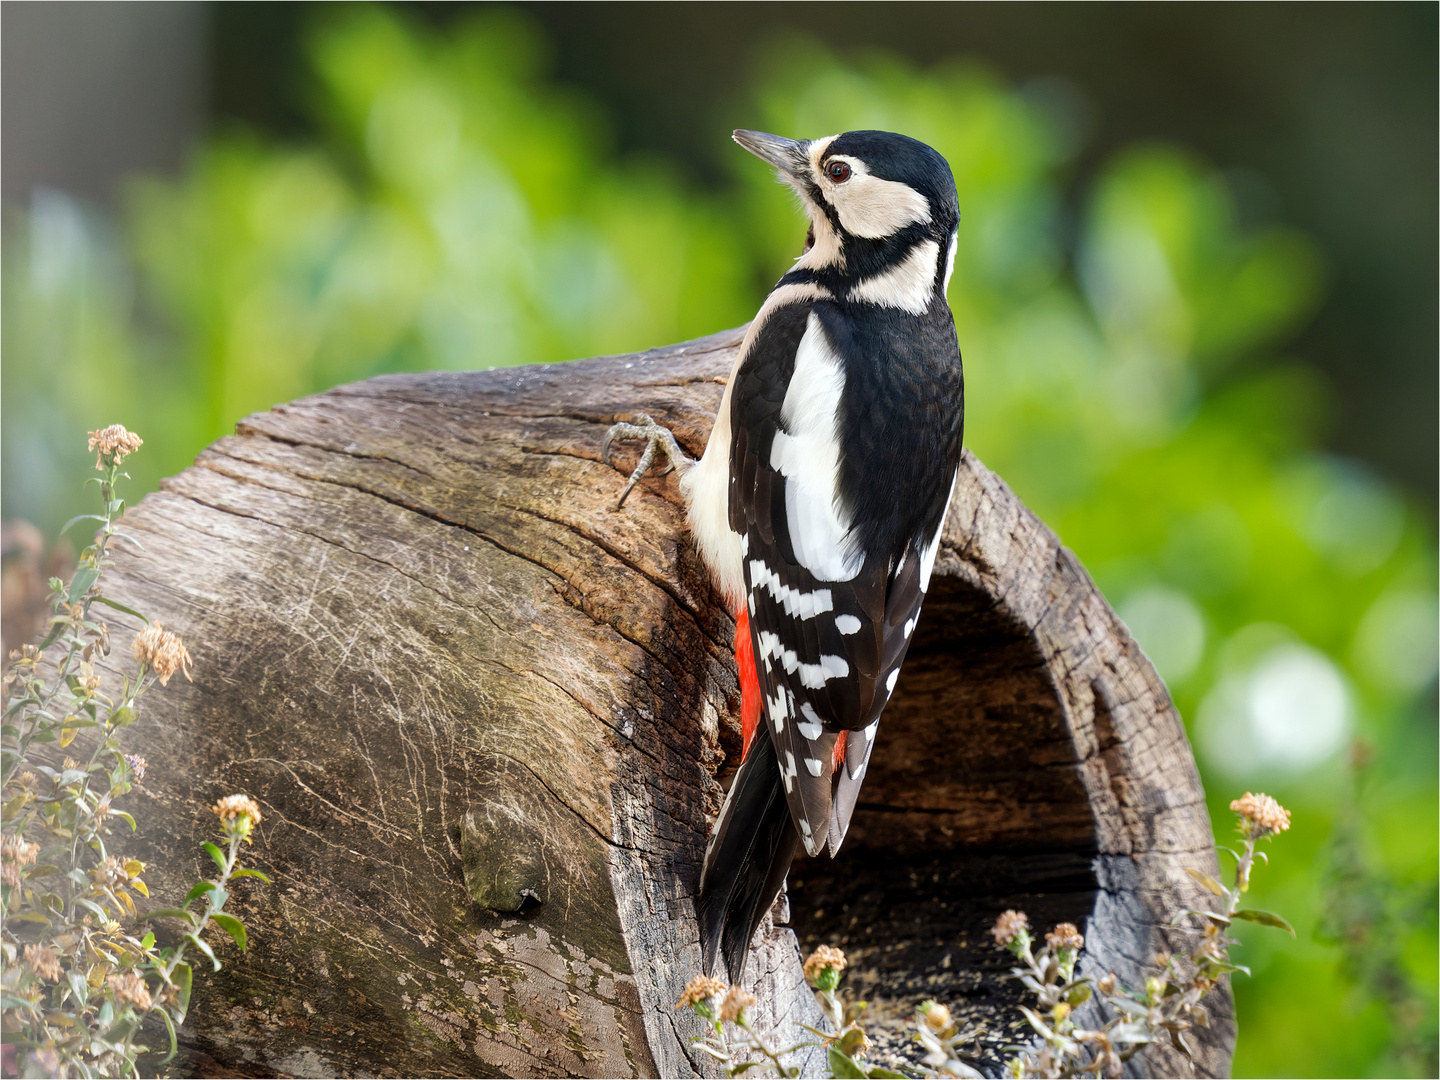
(657, 438)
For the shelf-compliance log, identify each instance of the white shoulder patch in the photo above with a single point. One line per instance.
(909, 286)
(807, 454)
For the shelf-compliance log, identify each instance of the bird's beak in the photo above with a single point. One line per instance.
(790, 156)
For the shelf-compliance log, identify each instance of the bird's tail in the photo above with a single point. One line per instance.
(749, 855)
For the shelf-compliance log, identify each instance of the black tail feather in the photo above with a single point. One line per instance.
(749, 855)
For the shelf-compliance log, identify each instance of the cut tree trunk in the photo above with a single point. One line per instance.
(488, 718)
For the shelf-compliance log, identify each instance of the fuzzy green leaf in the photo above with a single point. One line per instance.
(56, 626)
(1206, 880)
(184, 977)
(79, 518)
(171, 913)
(78, 986)
(121, 607)
(1264, 918)
(204, 946)
(843, 1067)
(81, 583)
(232, 926)
(170, 1030)
(198, 889)
(215, 854)
(251, 873)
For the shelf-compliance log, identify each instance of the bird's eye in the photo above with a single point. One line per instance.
(838, 171)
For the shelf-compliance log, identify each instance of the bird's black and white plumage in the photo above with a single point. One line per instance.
(820, 498)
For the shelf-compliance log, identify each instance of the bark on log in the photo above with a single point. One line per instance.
(486, 718)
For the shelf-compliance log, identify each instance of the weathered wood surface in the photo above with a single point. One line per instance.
(454, 677)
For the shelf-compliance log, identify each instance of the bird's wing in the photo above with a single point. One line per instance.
(830, 623)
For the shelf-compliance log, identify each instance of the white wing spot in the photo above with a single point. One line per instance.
(809, 713)
(890, 681)
(777, 711)
(789, 774)
(810, 731)
(909, 625)
(859, 773)
(814, 676)
(847, 624)
(798, 605)
(813, 764)
(870, 731)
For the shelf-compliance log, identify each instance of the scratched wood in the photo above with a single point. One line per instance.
(488, 718)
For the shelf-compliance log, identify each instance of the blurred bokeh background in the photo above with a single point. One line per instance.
(1196, 293)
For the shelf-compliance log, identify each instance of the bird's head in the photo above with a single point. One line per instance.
(883, 213)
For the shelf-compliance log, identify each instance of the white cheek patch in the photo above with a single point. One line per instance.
(909, 286)
(827, 251)
(807, 454)
(873, 208)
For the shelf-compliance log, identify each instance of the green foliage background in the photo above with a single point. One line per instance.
(1127, 371)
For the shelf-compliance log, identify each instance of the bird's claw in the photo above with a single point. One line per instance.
(657, 438)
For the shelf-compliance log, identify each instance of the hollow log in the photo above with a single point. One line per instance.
(488, 718)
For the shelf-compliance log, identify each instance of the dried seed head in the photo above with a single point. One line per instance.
(15, 852)
(736, 1001)
(1106, 986)
(70, 764)
(114, 443)
(1260, 815)
(43, 962)
(1009, 926)
(162, 651)
(700, 989)
(111, 872)
(1065, 936)
(130, 989)
(825, 958)
(238, 812)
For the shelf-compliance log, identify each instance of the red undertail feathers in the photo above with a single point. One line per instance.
(749, 681)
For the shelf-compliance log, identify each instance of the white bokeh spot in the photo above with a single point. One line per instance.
(1286, 714)
(1169, 628)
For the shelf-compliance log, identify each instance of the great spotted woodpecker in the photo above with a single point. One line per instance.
(820, 498)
